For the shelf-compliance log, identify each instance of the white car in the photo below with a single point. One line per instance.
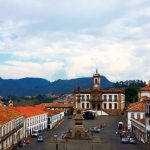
(95, 129)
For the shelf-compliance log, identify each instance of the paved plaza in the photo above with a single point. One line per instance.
(105, 140)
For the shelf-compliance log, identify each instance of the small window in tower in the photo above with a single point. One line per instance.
(96, 81)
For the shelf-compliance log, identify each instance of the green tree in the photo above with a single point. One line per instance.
(131, 94)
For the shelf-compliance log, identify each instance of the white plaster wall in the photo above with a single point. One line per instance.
(135, 116)
(100, 113)
(145, 93)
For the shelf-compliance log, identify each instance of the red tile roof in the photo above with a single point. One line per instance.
(55, 105)
(137, 107)
(29, 111)
(7, 114)
(144, 98)
(54, 112)
(146, 88)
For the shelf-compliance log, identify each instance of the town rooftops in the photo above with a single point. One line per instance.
(7, 114)
(29, 111)
(54, 112)
(102, 90)
(55, 105)
(146, 88)
(136, 107)
(144, 98)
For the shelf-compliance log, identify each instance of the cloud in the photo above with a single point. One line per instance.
(70, 39)
(17, 69)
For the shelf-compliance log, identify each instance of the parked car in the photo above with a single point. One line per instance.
(95, 129)
(40, 139)
(70, 117)
(132, 140)
(124, 140)
(35, 133)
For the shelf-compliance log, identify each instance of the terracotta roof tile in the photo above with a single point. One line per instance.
(138, 106)
(54, 112)
(29, 111)
(55, 105)
(7, 114)
(145, 88)
(144, 98)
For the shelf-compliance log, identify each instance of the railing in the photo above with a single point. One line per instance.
(11, 132)
(147, 114)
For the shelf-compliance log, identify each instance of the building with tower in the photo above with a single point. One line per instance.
(110, 101)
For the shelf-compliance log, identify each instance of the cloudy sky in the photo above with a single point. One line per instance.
(63, 39)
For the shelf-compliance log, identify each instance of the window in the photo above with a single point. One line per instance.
(115, 106)
(138, 115)
(93, 106)
(132, 115)
(105, 106)
(95, 81)
(105, 97)
(115, 98)
(82, 105)
(110, 97)
(87, 105)
(82, 97)
(98, 106)
(87, 97)
(110, 106)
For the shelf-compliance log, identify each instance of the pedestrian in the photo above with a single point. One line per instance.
(116, 133)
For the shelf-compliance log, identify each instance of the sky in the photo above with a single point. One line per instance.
(65, 39)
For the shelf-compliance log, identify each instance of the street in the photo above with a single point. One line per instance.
(105, 140)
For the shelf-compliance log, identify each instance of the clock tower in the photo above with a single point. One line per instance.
(96, 80)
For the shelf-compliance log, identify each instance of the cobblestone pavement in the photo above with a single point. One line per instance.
(105, 140)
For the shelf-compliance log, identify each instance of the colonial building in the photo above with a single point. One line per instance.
(138, 114)
(35, 119)
(145, 91)
(11, 127)
(109, 101)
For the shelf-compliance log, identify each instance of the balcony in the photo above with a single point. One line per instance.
(12, 132)
(147, 114)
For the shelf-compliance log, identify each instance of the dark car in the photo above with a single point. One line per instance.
(95, 129)
(40, 139)
(69, 117)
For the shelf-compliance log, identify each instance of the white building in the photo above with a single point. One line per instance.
(104, 101)
(54, 117)
(11, 127)
(145, 91)
(139, 116)
(35, 119)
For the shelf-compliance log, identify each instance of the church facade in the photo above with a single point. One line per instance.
(109, 101)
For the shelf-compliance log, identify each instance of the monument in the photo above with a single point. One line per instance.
(79, 131)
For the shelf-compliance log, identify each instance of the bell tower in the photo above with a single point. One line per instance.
(96, 80)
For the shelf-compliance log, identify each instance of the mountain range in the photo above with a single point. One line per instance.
(36, 86)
